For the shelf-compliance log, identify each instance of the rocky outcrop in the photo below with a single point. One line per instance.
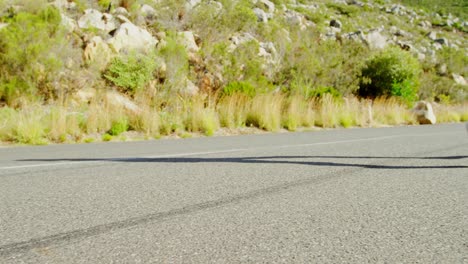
(424, 113)
(459, 79)
(93, 19)
(376, 40)
(130, 37)
(97, 53)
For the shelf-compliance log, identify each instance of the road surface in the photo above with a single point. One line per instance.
(387, 195)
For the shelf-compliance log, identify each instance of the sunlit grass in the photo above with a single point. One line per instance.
(103, 121)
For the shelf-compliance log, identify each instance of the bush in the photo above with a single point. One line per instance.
(118, 127)
(321, 91)
(131, 72)
(28, 62)
(239, 87)
(391, 72)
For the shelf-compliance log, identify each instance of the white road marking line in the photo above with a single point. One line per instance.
(216, 152)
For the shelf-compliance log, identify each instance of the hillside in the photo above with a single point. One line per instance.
(161, 66)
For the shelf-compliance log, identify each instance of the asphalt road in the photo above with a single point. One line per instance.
(388, 195)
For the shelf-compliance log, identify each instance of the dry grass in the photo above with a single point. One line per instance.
(233, 110)
(450, 114)
(265, 111)
(38, 124)
(390, 111)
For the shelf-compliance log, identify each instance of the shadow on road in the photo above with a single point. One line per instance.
(292, 160)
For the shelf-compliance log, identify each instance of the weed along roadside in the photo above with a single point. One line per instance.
(128, 69)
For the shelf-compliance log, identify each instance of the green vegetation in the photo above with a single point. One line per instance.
(455, 7)
(131, 72)
(28, 60)
(392, 72)
(290, 72)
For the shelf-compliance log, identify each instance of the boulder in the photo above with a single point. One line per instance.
(295, 18)
(336, 23)
(424, 113)
(441, 41)
(121, 11)
(86, 95)
(118, 100)
(432, 35)
(191, 4)
(266, 5)
(376, 40)
(459, 79)
(130, 37)
(95, 19)
(3, 25)
(187, 39)
(147, 11)
(69, 24)
(97, 53)
(64, 4)
(239, 39)
(262, 16)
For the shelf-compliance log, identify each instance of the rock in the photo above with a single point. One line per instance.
(118, 100)
(432, 35)
(441, 41)
(239, 39)
(335, 23)
(442, 69)
(459, 79)
(266, 5)
(97, 53)
(147, 11)
(424, 113)
(376, 40)
(95, 19)
(187, 39)
(187, 87)
(397, 10)
(262, 16)
(191, 4)
(130, 37)
(295, 18)
(425, 24)
(437, 46)
(356, 36)
(69, 24)
(3, 25)
(121, 11)
(64, 4)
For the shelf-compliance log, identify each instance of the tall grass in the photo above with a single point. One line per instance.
(38, 124)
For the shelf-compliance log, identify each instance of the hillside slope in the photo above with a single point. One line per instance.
(142, 53)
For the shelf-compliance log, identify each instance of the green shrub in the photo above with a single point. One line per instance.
(391, 72)
(106, 137)
(239, 87)
(131, 72)
(28, 60)
(321, 91)
(176, 58)
(118, 127)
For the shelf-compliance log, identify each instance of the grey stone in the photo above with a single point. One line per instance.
(336, 23)
(95, 19)
(262, 16)
(130, 37)
(97, 53)
(424, 113)
(432, 35)
(376, 40)
(459, 79)
(442, 41)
